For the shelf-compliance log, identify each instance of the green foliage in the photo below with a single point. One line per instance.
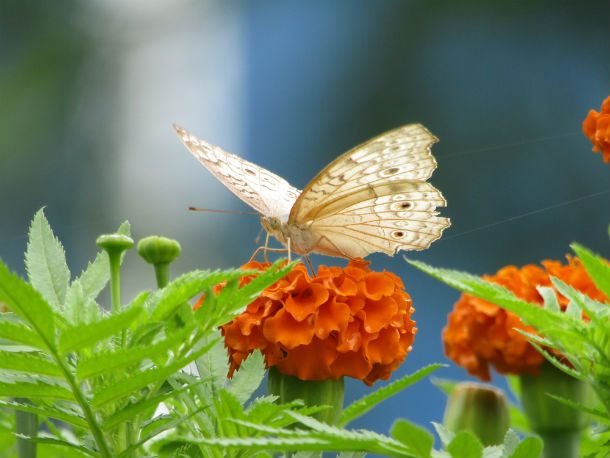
(65, 358)
(363, 405)
(150, 377)
(580, 333)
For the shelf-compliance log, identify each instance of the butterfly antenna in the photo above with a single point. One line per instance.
(227, 212)
(258, 237)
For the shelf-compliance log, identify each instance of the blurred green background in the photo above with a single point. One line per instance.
(89, 90)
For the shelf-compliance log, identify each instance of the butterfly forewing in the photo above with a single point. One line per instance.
(400, 154)
(263, 190)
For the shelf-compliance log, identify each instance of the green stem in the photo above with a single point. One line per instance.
(162, 274)
(96, 430)
(313, 393)
(26, 424)
(560, 444)
(115, 281)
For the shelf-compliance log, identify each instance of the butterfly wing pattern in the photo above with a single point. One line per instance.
(375, 198)
(266, 192)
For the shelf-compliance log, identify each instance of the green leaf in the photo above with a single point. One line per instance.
(132, 410)
(14, 330)
(530, 447)
(418, 439)
(363, 405)
(248, 378)
(106, 363)
(30, 362)
(532, 314)
(444, 434)
(137, 380)
(214, 364)
(34, 390)
(62, 443)
(166, 301)
(45, 261)
(465, 445)
(86, 335)
(28, 304)
(47, 411)
(596, 266)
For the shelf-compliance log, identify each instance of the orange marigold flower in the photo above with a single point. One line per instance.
(480, 334)
(596, 127)
(342, 322)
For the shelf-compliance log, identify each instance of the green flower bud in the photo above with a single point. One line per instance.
(480, 409)
(158, 250)
(313, 393)
(557, 424)
(114, 243)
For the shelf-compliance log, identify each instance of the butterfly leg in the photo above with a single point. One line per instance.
(266, 248)
(289, 252)
(310, 265)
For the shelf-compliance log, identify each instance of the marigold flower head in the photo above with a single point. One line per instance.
(480, 334)
(596, 127)
(348, 321)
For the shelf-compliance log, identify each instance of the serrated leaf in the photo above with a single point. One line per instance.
(366, 403)
(86, 335)
(47, 411)
(166, 301)
(137, 380)
(15, 330)
(445, 385)
(34, 390)
(530, 447)
(108, 362)
(29, 362)
(443, 433)
(530, 313)
(214, 365)
(465, 445)
(248, 378)
(550, 298)
(596, 266)
(418, 439)
(62, 443)
(27, 303)
(45, 261)
(132, 410)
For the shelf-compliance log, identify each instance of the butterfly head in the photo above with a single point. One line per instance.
(274, 226)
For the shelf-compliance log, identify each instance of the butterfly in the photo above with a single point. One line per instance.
(374, 198)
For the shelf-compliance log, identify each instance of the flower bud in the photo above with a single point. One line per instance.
(158, 250)
(480, 409)
(114, 243)
(558, 425)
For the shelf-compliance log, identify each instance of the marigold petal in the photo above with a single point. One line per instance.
(303, 304)
(283, 329)
(332, 316)
(376, 285)
(377, 314)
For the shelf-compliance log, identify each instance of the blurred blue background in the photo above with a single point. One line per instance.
(89, 90)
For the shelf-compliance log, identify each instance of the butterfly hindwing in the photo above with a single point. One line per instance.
(263, 190)
(387, 217)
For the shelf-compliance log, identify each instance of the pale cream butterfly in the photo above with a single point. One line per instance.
(374, 198)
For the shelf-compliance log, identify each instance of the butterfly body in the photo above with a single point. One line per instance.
(374, 198)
